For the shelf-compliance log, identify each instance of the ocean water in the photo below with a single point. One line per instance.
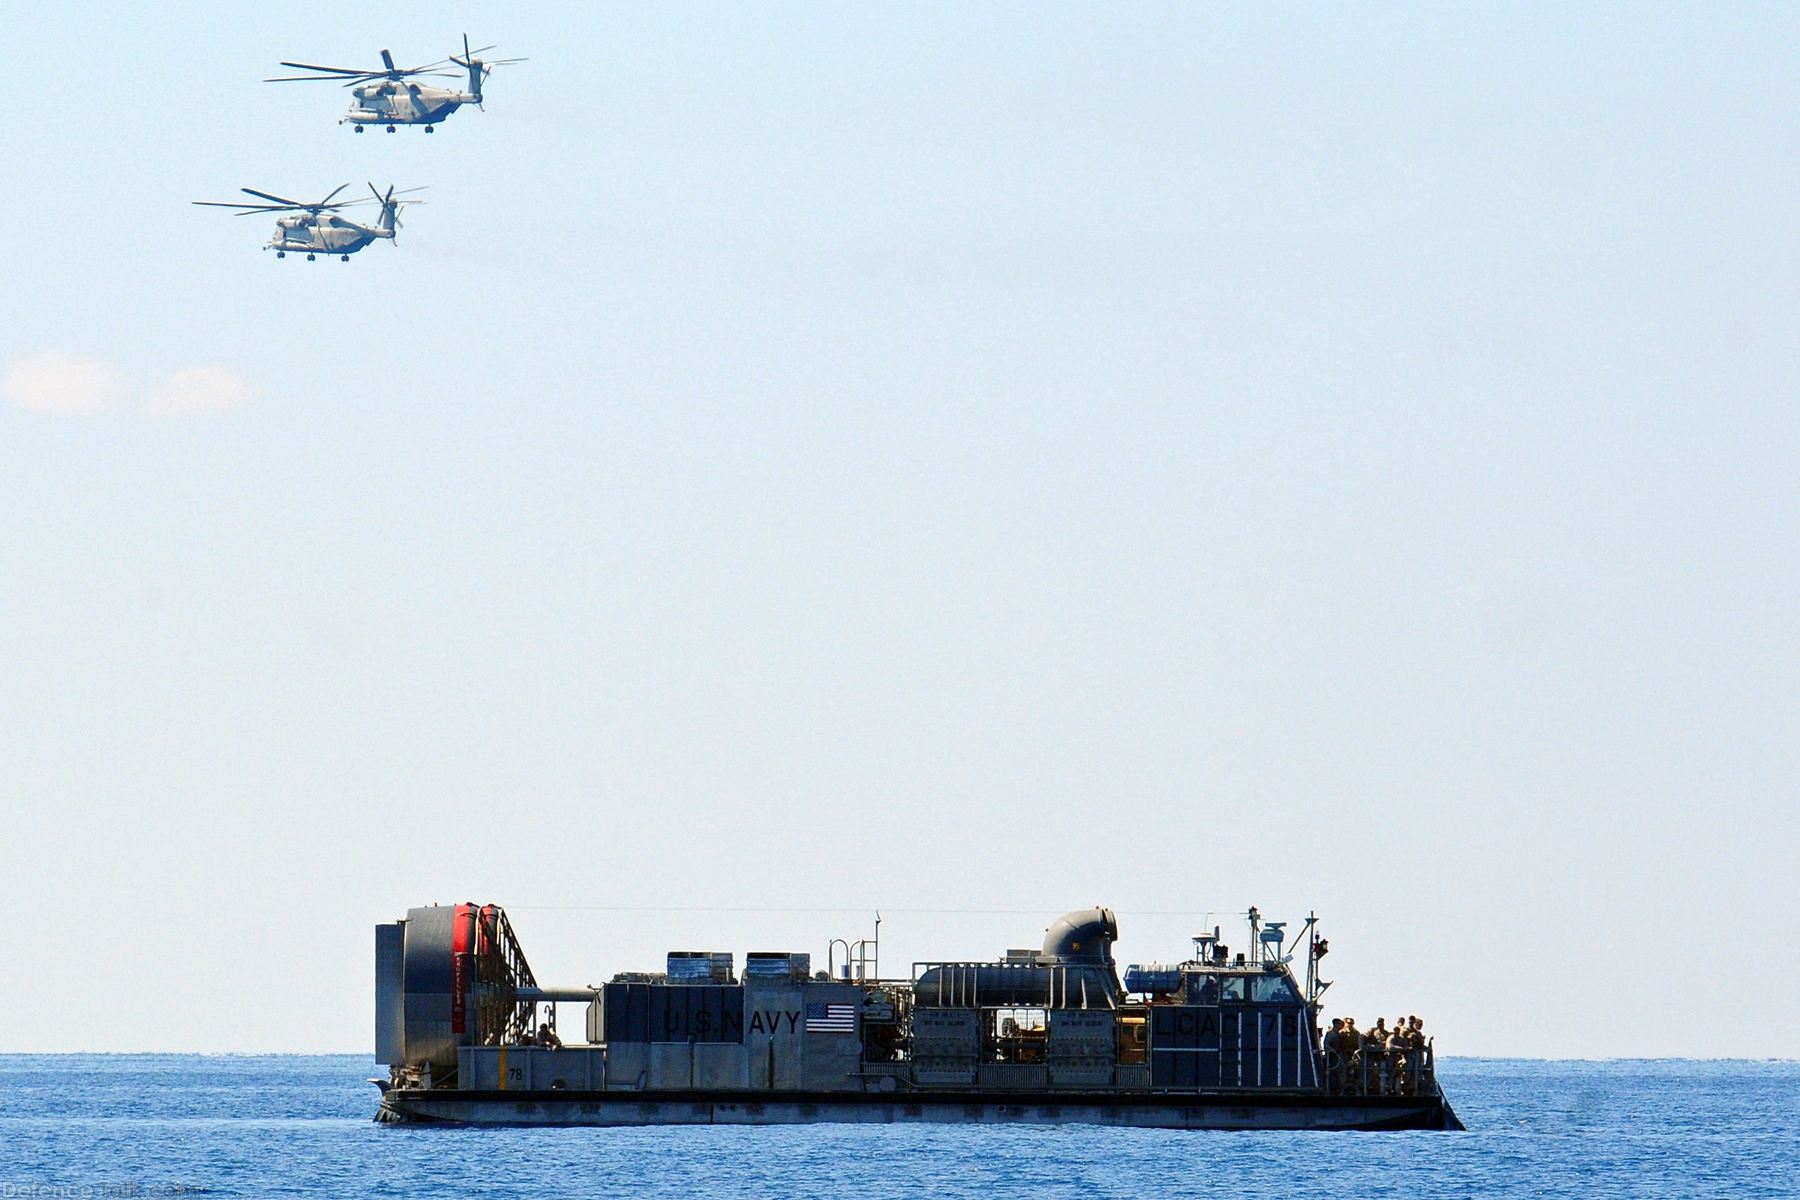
(154, 1125)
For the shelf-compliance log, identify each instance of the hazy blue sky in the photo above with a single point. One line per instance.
(1003, 457)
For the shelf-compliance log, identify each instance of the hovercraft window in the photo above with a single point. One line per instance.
(1018, 1035)
(1273, 988)
(1232, 989)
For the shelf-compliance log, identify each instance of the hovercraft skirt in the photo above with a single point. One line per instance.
(1295, 1111)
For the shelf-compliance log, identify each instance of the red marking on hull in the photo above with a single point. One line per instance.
(461, 928)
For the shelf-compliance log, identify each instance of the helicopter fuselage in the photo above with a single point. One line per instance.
(387, 102)
(324, 233)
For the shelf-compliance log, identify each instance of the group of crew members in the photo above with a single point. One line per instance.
(1377, 1061)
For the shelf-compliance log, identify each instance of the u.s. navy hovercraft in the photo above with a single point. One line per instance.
(1050, 1036)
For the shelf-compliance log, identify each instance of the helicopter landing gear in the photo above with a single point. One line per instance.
(346, 258)
(312, 258)
(281, 254)
(390, 129)
(428, 129)
(359, 129)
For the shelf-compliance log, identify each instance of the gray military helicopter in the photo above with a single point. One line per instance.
(316, 229)
(390, 97)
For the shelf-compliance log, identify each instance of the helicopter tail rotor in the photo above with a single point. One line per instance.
(479, 70)
(389, 220)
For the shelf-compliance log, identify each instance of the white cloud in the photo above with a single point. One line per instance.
(63, 384)
(198, 390)
(60, 383)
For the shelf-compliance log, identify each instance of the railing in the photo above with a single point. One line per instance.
(500, 970)
(1397, 1071)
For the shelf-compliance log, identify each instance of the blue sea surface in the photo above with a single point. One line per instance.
(149, 1125)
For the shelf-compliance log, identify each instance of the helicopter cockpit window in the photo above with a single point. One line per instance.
(1231, 989)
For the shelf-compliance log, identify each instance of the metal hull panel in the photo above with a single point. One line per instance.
(1294, 1111)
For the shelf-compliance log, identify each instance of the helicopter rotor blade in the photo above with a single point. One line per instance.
(397, 76)
(277, 199)
(388, 60)
(468, 55)
(381, 199)
(245, 209)
(326, 202)
(300, 66)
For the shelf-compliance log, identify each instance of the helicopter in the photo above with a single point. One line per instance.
(390, 97)
(317, 228)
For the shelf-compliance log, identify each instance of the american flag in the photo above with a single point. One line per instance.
(831, 1018)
